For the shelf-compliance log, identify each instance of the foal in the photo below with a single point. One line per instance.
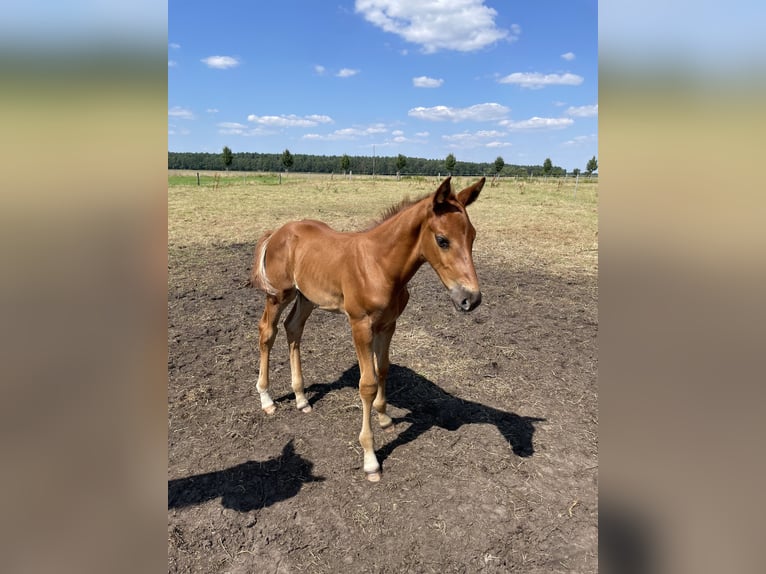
(365, 276)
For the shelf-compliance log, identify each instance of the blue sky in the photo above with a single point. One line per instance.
(423, 78)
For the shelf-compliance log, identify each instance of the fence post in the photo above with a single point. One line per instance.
(577, 179)
(197, 179)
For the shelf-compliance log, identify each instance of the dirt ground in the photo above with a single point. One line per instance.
(492, 465)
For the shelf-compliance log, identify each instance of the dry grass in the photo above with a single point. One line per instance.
(517, 221)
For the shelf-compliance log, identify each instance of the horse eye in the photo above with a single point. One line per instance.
(442, 242)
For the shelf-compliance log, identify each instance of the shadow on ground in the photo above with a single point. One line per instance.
(247, 486)
(431, 406)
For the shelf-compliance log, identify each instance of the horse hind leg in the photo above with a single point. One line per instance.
(294, 324)
(267, 328)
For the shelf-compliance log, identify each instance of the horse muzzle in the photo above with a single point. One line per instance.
(465, 300)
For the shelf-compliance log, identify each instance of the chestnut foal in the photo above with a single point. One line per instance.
(365, 276)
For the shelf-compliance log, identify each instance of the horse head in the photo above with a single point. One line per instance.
(447, 241)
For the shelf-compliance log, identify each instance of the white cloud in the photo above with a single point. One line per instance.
(466, 140)
(583, 111)
(470, 136)
(290, 121)
(320, 70)
(581, 140)
(537, 80)
(569, 56)
(426, 82)
(536, 123)
(320, 119)
(232, 128)
(477, 113)
(489, 134)
(399, 137)
(376, 129)
(212, 110)
(181, 113)
(462, 25)
(353, 133)
(238, 129)
(172, 63)
(350, 133)
(174, 46)
(459, 138)
(173, 130)
(220, 62)
(347, 73)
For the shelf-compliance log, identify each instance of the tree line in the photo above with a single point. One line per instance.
(379, 165)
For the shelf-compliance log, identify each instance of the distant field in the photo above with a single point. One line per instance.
(208, 178)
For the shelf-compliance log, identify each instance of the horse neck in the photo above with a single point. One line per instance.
(396, 243)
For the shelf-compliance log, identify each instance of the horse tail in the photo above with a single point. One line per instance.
(258, 276)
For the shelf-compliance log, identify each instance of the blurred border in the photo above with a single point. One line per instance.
(83, 293)
(681, 284)
(83, 231)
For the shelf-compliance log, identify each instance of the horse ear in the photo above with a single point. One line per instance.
(469, 194)
(443, 192)
(288, 451)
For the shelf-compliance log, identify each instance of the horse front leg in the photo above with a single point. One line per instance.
(368, 388)
(267, 328)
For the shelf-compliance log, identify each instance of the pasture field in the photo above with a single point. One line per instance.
(493, 463)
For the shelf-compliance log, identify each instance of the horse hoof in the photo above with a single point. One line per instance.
(390, 428)
(270, 410)
(373, 476)
(385, 422)
(306, 409)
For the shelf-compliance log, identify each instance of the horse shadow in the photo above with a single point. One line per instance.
(430, 406)
(248, 486)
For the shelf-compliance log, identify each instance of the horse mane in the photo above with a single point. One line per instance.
(394, 209)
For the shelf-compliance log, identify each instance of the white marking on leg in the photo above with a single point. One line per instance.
(266, 403)
(371, 464)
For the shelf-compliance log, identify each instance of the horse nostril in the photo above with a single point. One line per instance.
(471, 302)
(465, 300)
